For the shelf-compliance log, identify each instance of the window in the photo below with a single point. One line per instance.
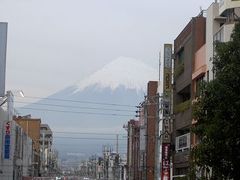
(199, 88)
(207, 76)
(181, 56)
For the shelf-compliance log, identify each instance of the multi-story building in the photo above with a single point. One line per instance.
(31, 127)
(143, 160)
(16, 150)
(46, 138)
(133, 153)
(142, 142)
(221, 18)
(152, 130)
(194, 52)
(188, 48)
(27, 154)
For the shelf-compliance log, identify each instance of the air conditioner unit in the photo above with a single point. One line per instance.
(183, 142)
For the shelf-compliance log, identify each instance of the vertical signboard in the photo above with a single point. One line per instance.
(167, 90)
(3, 50)
(167, 72)
(165, 161)
(7, 140)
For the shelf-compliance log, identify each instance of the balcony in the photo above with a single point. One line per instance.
(181, 107)
(183, 119)
(224, 5)
(181, 158)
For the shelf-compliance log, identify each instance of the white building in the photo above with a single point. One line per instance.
(46, 138)
(27, 156)
(221, 18)
(16, 147)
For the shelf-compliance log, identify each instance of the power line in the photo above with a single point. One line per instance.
(64, 137)
(87, 133)
(76, 112)
(122, 146)
(77, 101)
(80, 107)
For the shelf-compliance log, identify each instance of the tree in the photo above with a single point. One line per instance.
(218, 114)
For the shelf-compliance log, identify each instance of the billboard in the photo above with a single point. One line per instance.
(3, 51)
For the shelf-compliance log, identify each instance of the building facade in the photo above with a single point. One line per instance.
(31, 127)
(152, 130)
(189, 42)
(133, 153)
(194, 52)
(46, 138)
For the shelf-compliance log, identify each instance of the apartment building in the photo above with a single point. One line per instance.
(31, 127)
(188, 48)
(221, 18)
(46, 139)
(194, 52)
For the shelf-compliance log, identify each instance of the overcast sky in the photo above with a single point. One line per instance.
(54, 43)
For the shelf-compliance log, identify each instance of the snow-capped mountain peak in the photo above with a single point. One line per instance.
(123, 71)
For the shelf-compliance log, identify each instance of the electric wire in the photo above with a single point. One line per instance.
(77, 112)
(77, 101)
(95, 138)
(87, 133)
(79, 107)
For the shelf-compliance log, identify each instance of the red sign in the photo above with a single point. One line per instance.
(7, 128)
(166, 161)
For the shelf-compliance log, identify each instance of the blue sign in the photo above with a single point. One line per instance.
(7, 141)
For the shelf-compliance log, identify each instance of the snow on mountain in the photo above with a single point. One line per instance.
(123, 71)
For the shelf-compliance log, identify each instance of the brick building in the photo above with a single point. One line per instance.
(152, 131)
(133, 160)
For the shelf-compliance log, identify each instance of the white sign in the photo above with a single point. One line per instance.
(168, 56)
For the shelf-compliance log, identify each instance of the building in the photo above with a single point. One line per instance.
(221, 18)
(143, 161)
(133, 151)
(31, 127)
(194, 52)
(142, 141)
(46, 139)
(11, 149)
(27, 154)
(16, 150)
(152, 131)
(187, 47)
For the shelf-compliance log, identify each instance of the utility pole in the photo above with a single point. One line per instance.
(117, 144)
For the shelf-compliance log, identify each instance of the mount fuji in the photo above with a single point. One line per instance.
(95, 109)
